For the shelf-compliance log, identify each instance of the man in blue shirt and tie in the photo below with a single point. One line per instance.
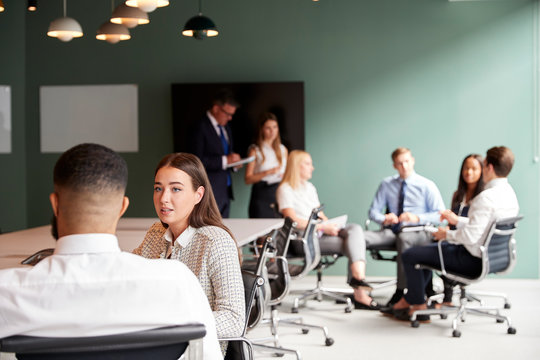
(212, 142)
(402, 200)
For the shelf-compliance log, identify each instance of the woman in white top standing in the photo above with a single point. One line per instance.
(297, 197)
(266, 172)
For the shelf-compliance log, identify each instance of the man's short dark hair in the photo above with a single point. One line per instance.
(91, 167)
(224, 96)
(502, 159)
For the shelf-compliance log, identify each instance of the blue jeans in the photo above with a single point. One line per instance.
(456, 259)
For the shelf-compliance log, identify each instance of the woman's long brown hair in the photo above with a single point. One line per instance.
(206, 212)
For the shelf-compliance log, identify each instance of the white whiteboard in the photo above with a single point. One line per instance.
(5, 119)
(102, 114)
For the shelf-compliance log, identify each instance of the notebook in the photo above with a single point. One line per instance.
(340, 221)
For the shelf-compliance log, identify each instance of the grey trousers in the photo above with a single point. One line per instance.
(350, 241)
(402, 241)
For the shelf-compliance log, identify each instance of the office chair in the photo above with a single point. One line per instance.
(164, 343)
(241, 348)
(498, 257)
(277, 274)
(305, 248)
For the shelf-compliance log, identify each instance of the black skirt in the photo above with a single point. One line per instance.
(263, 201)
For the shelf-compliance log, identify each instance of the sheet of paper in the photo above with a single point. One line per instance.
(241, 162)
(340, 221)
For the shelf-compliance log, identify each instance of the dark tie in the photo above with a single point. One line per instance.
(401, 198)
(396, 227)
(225, 145)
(224, 142)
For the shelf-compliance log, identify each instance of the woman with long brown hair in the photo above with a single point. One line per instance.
(191, 231)
(470, 184)
(266, 171)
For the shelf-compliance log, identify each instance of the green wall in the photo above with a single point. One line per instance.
(443, 78)
(13, 180)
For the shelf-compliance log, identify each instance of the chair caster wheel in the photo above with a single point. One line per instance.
(294, 310)
(499, 321)
(279, 355)
(444, 316)
(329, 342)
(415, 323)
(507, 306)
(512, 330)
(456, 333)
(348, 310)
(305, 331)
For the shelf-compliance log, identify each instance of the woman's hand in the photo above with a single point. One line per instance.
(330, 229)
(449, 216)
(441, 233)
(273, 170)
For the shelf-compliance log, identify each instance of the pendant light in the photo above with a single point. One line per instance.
(112, 33)
(65, 28)
(1, 6)
(200, 26)
(129, 16)
(147, 5)
(32, 5)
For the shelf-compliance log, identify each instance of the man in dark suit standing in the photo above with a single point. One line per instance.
(213, 144)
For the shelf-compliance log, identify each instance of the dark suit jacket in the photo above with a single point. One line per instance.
(207, 146)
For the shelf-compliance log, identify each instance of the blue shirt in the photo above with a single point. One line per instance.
(422, 198)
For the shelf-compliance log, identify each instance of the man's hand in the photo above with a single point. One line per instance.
(408, 217)
(232, 158)
(441, 233)
(449, 216)
(390, 219)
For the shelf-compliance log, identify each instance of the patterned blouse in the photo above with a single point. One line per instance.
(212, 255)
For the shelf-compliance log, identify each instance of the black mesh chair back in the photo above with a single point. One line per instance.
(277, 264)
(500, 256)
(306, 247)
(163, 343)
(236, 349)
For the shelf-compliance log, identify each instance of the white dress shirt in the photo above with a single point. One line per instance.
(498, 200)
(88, 287)
(216, 127)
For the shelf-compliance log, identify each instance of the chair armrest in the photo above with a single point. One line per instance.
(441, 259)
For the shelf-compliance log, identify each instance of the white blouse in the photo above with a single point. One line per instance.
(270, 161)
(302, 199)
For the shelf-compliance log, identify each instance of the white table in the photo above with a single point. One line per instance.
(18, 245)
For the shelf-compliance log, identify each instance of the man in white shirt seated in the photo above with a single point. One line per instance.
(88, 287)
(462, 253)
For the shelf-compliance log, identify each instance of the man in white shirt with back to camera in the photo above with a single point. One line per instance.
(88, 287)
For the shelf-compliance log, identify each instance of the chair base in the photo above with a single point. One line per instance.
(465, 309)
(321, 292)
(274, 321)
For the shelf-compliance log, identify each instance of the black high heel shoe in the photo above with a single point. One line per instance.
(355, 283)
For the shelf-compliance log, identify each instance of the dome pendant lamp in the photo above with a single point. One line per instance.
(200, 26)
(111, 32)
(129, 16)
(147, 5)
(65, 28)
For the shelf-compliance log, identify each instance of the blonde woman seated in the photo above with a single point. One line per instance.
(191, 231)
(297, 197)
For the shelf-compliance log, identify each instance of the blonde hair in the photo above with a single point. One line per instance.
(292, 171)
(276, 144)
